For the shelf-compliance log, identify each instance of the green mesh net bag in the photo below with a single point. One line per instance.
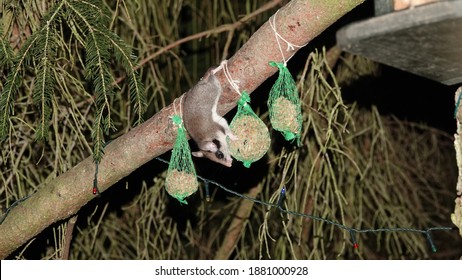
(284, 105)
(181, 179)
(253, 136)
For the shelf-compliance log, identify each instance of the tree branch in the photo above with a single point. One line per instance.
(298, 22)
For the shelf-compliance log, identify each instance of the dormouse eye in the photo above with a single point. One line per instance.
(219, 155)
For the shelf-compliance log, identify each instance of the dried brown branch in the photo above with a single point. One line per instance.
(298, 22)
(237, 224)
(68, 237)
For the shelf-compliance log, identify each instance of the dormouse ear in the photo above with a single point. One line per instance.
(198, 154)
(209, 146)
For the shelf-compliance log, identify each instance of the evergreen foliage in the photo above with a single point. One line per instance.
(6, 52)
(88, 22)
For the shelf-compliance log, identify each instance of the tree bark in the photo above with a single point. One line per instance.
(298, 22)
(456, 217)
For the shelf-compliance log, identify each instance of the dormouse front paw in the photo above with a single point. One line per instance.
(232, 137)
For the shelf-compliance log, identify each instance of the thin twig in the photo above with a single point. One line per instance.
(230, 27)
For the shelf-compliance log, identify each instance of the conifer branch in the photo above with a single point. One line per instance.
(13, 82)
(97, 10)
(97, 71)
(45, 52)
(6, 52)
(39, 46)
(45, 81)
(124, 57)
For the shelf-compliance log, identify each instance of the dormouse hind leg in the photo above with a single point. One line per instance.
(224, 124)
(230, 134)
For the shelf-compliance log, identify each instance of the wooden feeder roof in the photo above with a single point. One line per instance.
(425, 40)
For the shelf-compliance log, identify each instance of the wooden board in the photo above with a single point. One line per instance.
(425, 40)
